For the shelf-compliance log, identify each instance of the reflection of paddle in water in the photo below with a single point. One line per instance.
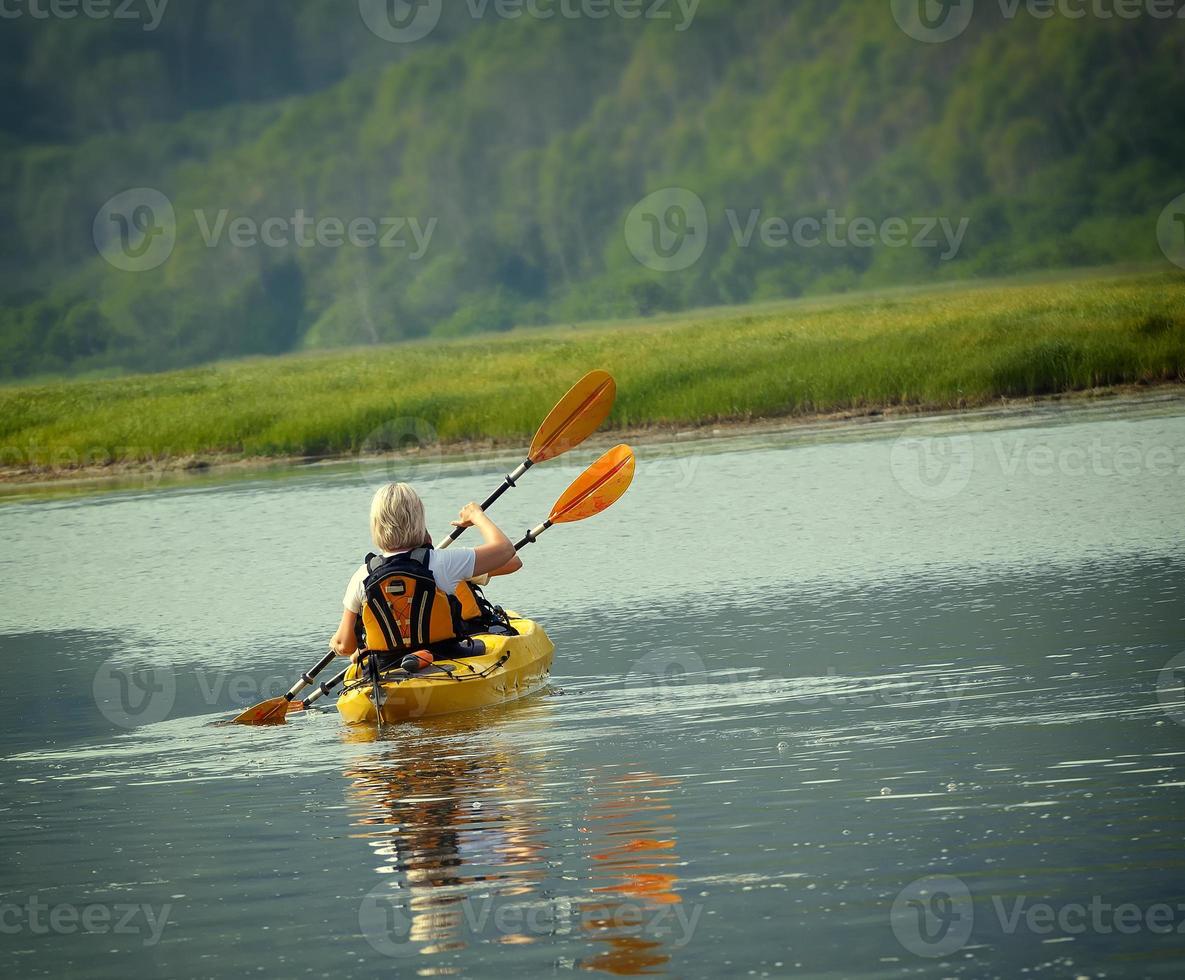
(633, 914)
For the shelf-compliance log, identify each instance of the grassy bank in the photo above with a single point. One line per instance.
(935, 348)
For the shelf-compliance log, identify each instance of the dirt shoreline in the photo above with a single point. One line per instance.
(30, 478)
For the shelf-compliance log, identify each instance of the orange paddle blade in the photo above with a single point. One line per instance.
(596, 488)
(266, 713)
(576, 417)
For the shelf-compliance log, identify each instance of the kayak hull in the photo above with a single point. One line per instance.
(512, 667)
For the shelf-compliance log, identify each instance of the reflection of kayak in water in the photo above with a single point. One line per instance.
(449, 810)
(463, 824)
(419, 818)
(511, 667)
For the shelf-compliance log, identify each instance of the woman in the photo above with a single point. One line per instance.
(398, 528)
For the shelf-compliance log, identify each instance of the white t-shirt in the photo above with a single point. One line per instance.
(450, 568)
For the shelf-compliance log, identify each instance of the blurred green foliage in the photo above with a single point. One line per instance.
(529, 142)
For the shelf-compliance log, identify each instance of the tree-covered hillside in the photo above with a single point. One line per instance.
(502, 159)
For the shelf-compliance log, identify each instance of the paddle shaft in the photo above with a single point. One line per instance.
(307, 679)
(531, 536)
(325, 687)
(510, 481)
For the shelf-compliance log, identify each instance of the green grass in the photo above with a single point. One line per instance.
(931, 348)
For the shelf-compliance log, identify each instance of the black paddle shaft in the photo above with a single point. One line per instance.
(321, 665)
(325, 687)
(307, 679)
(531, 536)
(510, 480)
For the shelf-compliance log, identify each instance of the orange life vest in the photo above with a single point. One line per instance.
(473, 604)
(404, 608)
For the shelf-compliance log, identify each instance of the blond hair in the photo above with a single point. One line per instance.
(397, 518)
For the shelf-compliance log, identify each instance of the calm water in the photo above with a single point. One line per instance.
(870, 702)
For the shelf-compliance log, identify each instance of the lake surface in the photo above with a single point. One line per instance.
(901, 699)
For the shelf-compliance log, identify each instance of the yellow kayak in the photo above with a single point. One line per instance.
(511, 667)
